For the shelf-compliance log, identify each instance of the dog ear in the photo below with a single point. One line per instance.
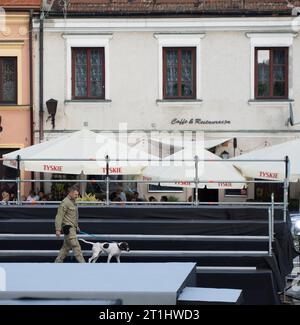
(121, 245)
(105, 245)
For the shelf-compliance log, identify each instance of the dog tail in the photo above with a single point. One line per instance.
(87, 242)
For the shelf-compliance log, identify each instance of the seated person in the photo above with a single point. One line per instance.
(112, 196)
(31, 197)
(5, 198)
(41, 196)
(136, 197)
(164, 198)
(121, 194)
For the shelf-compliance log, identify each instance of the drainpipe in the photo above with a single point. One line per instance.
(31, 85)
(31, 77)
(41, 82)
(41, 111)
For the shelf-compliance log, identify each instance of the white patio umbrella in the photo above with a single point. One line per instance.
(155, 148)
(215, 174)
(83, 144)
(272, 170)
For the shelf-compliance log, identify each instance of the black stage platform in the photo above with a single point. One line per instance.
(170, 220)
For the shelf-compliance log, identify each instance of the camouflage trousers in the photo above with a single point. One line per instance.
(70, 242)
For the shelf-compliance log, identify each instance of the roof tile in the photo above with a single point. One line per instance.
(20, 3)
(120, 7)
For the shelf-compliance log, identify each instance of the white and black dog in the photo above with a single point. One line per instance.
(111, 249)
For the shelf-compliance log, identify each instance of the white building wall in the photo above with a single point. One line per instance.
(133, 72)
(225, 76)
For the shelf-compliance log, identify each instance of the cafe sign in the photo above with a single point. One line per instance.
(199, 121)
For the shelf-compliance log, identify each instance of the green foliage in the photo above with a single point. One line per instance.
(173, 199)
(87, 197)
(58, 191)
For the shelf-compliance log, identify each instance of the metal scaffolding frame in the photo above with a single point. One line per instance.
(196, 180)
(271, 205)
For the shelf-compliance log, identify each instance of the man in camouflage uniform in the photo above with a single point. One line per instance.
(66, 221)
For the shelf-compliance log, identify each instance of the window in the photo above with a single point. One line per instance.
(88, 79)
(271, 73)
(161, 189)
(8, 80)
(179, 72)
(236, 192)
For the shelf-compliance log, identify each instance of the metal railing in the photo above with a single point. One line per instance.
(137, 237)
(143, 253)
(107, 180)
(196, 181)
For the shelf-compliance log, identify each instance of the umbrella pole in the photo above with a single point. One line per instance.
(196, 180)
(19, 199)
(272, 220)
(107, 179)
(286, 187)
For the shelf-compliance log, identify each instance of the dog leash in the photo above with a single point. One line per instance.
(85, 233)
(91, 235)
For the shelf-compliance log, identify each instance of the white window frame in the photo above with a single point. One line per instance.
(270, 40)
(71, 41)
(179, 40)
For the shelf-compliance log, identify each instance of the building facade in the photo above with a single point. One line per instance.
(229, 69)
(16, 87)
